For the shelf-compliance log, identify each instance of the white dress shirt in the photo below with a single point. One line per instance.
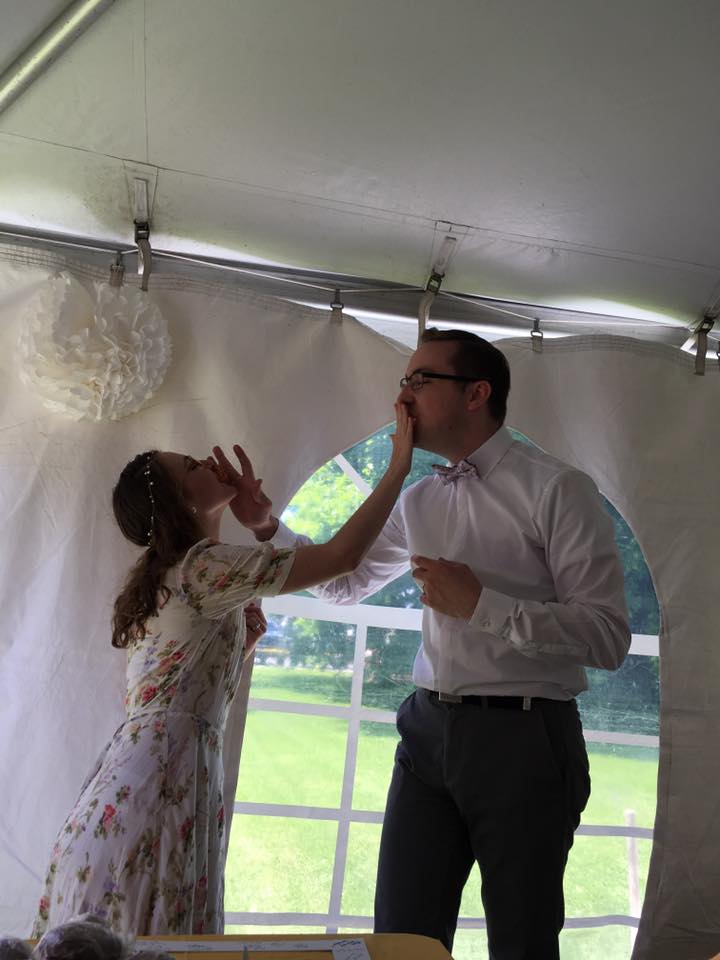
(536, 535)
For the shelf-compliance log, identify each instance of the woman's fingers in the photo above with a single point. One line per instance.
(245, 464)
(226, 468)
(259, 495)
(246, 472)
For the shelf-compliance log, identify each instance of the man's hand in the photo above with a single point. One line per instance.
(448, 587)
(250, 505)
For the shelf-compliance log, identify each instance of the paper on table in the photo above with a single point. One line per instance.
(340, 949)
(350, 950)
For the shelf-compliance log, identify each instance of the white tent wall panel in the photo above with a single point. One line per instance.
(297, 388)
(290, 384)
(636, 417)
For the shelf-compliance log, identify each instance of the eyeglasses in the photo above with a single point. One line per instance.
(416, 381)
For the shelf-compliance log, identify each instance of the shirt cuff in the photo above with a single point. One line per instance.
(284, 537)
(493, 613)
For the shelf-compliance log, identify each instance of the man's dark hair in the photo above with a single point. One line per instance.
(479, 359)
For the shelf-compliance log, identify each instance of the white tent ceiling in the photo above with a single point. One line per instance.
(571, 146)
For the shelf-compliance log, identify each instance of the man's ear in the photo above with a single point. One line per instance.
(478, 394)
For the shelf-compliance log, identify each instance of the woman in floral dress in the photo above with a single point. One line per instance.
(144, 845)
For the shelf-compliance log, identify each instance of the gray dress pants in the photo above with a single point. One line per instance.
(491, 783)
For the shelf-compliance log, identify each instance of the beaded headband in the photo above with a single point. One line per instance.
(150, 482)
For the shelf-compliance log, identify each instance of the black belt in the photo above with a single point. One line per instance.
(491, 702)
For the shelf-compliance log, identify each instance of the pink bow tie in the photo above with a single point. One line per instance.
(451, 474)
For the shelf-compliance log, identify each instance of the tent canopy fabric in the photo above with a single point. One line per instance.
(569, 147)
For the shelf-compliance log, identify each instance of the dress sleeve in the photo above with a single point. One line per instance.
(218, 577)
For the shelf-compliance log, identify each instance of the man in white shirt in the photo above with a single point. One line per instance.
(522, 589)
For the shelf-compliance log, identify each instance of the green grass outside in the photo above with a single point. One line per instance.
(278, 864)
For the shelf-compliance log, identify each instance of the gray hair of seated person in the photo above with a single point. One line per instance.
(85, 938)
(12, 948)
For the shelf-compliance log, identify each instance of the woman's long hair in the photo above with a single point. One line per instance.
(155, 517)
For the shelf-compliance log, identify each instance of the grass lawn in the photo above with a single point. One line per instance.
(283, 864)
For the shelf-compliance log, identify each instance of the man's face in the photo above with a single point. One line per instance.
(439, 406)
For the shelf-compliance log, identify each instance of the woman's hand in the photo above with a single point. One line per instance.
(250, 505)
(255, 627)
(345, 550)
(402, 440)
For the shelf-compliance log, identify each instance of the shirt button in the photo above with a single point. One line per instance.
(486, 623)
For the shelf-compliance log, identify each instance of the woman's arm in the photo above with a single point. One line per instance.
(343, 552)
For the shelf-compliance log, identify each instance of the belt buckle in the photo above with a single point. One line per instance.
(449, 698)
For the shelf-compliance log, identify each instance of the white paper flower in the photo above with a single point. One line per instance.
(90, 358)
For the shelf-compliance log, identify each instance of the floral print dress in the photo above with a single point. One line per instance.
(144, 846)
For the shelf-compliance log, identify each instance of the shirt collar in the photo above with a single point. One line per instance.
(487, 456)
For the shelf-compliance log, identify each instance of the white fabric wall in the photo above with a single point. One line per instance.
(635, 417)
(288, 383)
(297, 388)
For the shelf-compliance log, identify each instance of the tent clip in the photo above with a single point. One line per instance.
(117, 270)
(141, 219)
(426, 301)
(432, 287)
(536, 335)
(701, 335)
(336, 308)
(142, 239)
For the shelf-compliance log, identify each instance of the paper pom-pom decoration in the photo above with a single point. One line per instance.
(95, 357)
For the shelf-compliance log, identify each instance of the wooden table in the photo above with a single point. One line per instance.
(381, 946)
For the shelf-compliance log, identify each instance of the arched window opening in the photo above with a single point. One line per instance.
(320, 740)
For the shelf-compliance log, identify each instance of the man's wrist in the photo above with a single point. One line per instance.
(267, 530)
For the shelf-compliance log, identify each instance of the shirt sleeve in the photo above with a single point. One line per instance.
(386, 560)
(218, 577)
(587, 622)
